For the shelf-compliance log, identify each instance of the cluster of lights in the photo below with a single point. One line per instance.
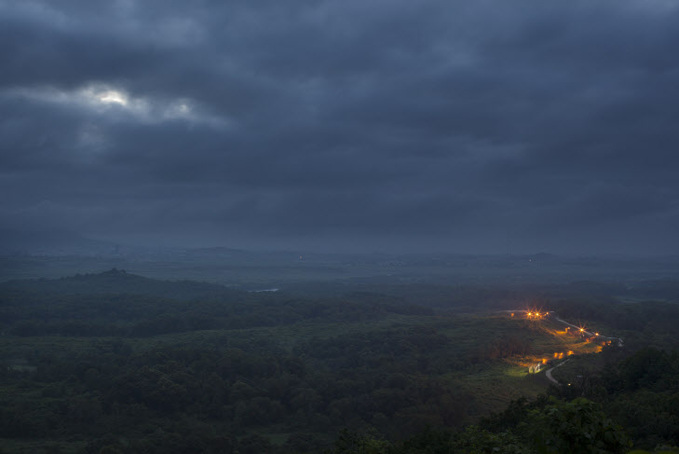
(560, 355)
(536, 315)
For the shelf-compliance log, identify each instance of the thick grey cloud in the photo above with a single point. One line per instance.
(484, 126)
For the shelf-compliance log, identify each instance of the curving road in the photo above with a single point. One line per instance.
(548, 373)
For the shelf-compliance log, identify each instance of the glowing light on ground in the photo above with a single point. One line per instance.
(535, 314)
(568, 342)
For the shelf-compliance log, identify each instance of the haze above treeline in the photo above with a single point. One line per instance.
(61, 242)
(55, 254)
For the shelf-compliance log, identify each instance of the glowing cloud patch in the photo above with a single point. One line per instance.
(113, 97)
(106, 99)
(104, 96)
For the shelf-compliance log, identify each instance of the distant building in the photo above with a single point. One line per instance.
(535, 368)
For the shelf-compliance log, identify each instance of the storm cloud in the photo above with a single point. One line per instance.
(484, 126)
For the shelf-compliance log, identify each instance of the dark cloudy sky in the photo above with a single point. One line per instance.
(470, 126)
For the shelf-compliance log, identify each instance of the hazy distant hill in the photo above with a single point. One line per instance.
(119, 282)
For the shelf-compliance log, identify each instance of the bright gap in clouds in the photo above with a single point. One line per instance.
(146, 109)
(103, 95)
(104, 98)
(113, 97)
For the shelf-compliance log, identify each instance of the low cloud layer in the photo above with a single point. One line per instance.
(484, 126)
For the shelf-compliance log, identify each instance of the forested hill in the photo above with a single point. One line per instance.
(119, 282)
(116, 303)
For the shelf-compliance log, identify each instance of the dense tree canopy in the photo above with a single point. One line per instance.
(213, 370)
